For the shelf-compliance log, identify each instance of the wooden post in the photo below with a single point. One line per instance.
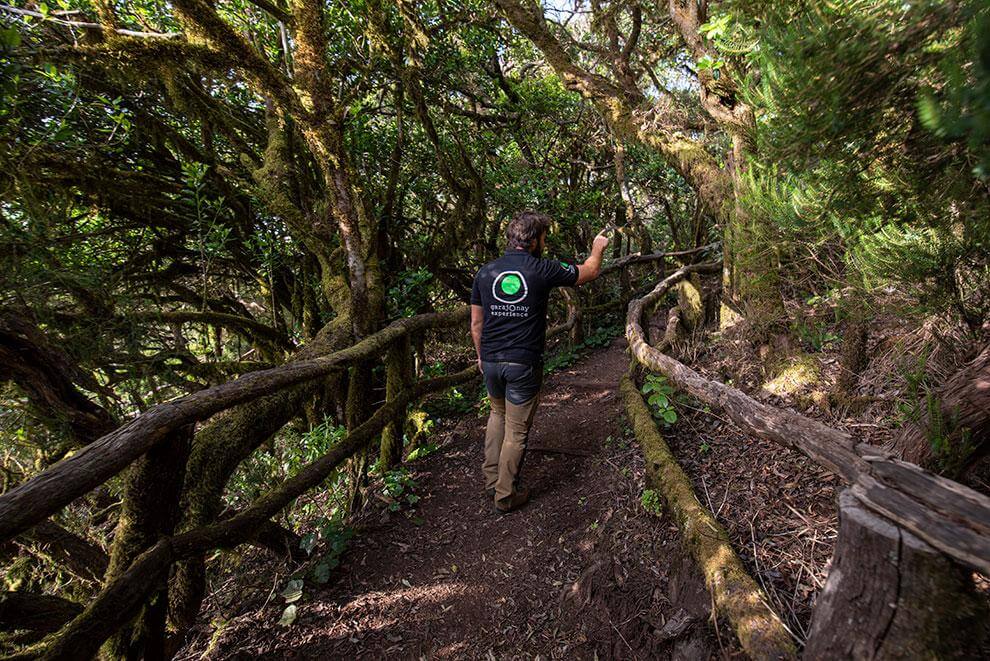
(625, 285)
(890, 595)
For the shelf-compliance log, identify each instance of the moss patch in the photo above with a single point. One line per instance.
(792, 374)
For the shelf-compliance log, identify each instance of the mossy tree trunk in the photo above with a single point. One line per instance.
(690, 302)
(150, 511)
(398, 376)
(359, 398)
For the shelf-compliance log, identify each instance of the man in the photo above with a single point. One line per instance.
(509, 327)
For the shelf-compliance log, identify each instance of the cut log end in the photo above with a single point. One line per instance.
(890, 595)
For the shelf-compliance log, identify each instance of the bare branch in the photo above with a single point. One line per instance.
(88, 26)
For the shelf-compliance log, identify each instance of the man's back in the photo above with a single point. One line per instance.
(513, 291)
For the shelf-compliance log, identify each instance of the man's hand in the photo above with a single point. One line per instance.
(600, 243)
(593, 265)
(479, 366)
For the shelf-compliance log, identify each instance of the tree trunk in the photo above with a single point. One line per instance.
(890, 595)
(150, 511)
(574, 315)
(690, 302)
(398, 375)
(853, 355)
(358, 410)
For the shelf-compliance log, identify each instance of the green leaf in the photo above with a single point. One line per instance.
(321, 573)
(308, 543)
(670, 416)
(10, 37)
(288, 616)
(659, 400)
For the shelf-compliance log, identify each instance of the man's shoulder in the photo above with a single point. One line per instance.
(488, 268)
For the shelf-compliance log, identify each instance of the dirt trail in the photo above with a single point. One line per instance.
(582, 571)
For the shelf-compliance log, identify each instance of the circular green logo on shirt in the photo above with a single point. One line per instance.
(510, 284)
(510, 287)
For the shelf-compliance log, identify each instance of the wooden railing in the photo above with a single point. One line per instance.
(949, 516)
(31, 503)
(50, 491)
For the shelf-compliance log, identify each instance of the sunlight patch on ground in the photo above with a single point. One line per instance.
(793, 374)
(425, 595)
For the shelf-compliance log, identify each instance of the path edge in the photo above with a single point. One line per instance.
(735, 593)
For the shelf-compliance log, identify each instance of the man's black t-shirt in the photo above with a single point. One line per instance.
(513, 290)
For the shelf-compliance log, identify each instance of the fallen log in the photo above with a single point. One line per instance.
(947, 515)
(46, 493)
(734, 592)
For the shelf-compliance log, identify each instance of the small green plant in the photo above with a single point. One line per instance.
(950, 442)
(568, 355)
(410, 293)
(398, 489)
(815, 335)
(911, 407)
(650, 500)
(334, 536)
(660, 398)
(424, 450)
(559, 360)
(704, 448)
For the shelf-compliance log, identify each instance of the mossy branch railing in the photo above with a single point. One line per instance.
(43, 495)
(950, 516)
(120, 599)
(736, 594)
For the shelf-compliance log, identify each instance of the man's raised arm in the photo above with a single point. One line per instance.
(477, 319)
(593, 265)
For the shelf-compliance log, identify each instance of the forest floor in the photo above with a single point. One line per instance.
(582, 571)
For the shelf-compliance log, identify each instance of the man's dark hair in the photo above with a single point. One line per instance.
(526, 227)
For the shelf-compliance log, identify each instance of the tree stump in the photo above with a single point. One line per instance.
(890, 595)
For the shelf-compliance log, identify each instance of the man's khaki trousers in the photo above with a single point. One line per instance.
(505, 444)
